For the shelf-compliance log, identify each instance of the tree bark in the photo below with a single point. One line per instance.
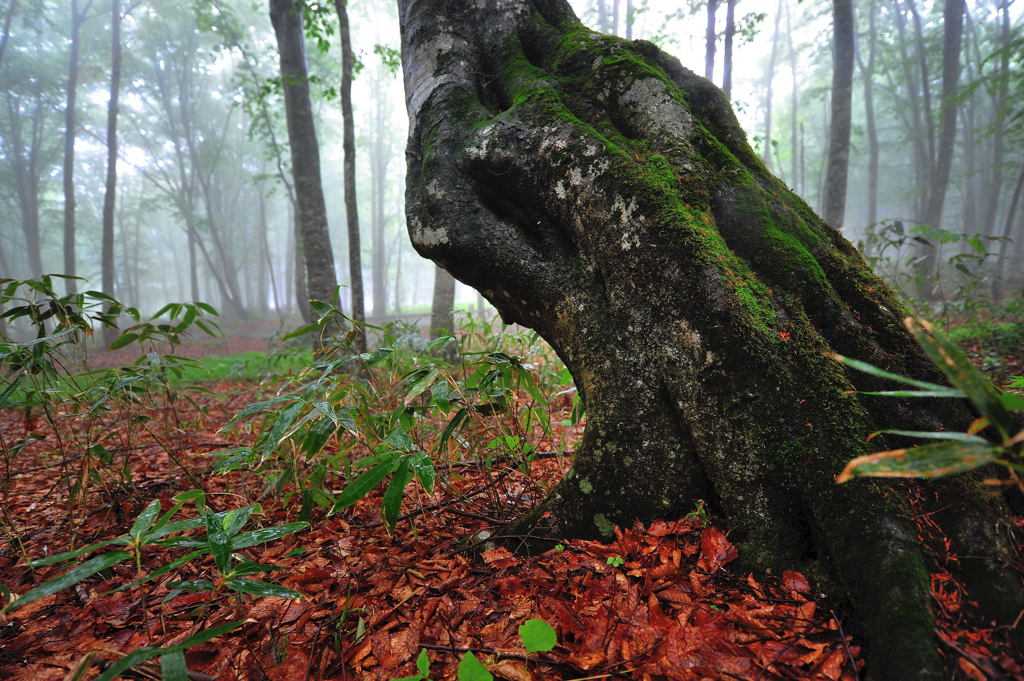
(355, 257)
(8, 20)
(311, 212)
(110, 191)
(842, 104)
(598, 192)
(629, 19)
(710, 39)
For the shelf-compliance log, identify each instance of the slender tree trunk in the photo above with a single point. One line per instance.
(8, 20)
(694, 299)
(916, 131)
(730, 33)
(867, 72)
(952, 32)
(710, 39)
(615, 17)
(766, 154)
(794, 103)
(379, 157)
(999, 283)
(842, 105)
(926, 91)
(70, 125)
(311, 211)
(630, 17)
(355, 257)
(1001, 86)
(442, 310)
(110, 192)
(602, 15)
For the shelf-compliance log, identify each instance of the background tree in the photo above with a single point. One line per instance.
(598, 192)
(842, 103)
(311, 212)
(70, 124)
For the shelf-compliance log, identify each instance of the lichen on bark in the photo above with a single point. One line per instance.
(595, 190)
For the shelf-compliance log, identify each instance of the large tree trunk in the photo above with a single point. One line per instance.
(842, 102)
(311, 212)
(442, 310)
(595, 190)
(355, 256)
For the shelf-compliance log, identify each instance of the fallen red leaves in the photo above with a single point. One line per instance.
(659, 602)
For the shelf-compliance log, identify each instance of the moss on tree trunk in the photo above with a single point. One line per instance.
(595, 190)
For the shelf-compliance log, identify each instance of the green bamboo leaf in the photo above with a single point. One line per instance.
(145, 519)
(1012, 401)
(218, 541)
(251, 586)
(128, 661)
(72, 576)
(964, 375)
(260, 407)
(68, 555)
(160, 571)
(538, 636)
(173, 667)
(882, 373)
(429, 375)
(392, 503)
(937, 435)
(192, 585)
(208, 634)
(235, 520)
(472, 669)
(361, 486)
(266, 534)
(925, 461)
(123, 340)
(423, 466)
(945, 392)
(456, 421)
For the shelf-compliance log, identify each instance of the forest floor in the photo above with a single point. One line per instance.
(659, 602)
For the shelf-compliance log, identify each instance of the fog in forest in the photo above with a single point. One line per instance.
(202, 205)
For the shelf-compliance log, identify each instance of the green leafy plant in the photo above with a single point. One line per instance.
(151, 529)
(172, 658)
(951, 452)
(536, 635)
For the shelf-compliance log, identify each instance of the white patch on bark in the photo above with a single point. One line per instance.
(426, 77)
(426, 236)
(661, 115)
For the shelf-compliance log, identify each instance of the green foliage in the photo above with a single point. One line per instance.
(472, 669)
(380, 428)
(156, 530)
(172, 663)
(537, 635)
(955, 451)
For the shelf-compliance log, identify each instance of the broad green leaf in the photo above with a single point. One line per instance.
(925, 461)
(266, 534)
(423, 662)
(317, 436)
(1012, 401)
(173, 667)
(400, 440)
(72, 576)
(392, 503)
(472, 669)
(361, 486)
(218, 541)
(251, 586)
(281, 425)
(145, 519)
(538, 636)
(962, 374)
(208, 634)
(248, 567)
